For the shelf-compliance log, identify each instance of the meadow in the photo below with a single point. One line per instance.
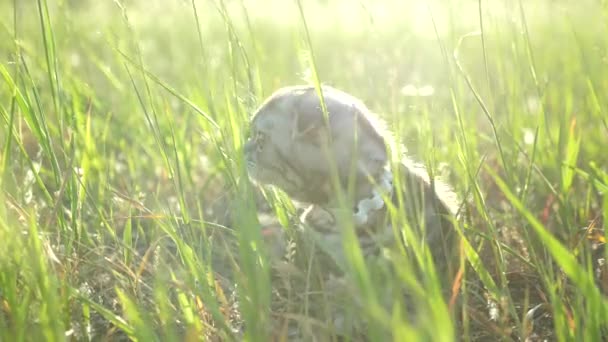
(126, 212)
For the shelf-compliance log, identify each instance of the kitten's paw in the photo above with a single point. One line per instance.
(319, 219)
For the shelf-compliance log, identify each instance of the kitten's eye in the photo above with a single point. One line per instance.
(260, 139)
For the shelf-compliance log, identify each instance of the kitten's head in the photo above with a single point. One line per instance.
(293, 146)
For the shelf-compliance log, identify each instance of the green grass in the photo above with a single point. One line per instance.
(126, 211)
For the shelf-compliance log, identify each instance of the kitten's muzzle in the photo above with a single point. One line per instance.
(249, 147)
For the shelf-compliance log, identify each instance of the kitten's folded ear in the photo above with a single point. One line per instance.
(309, 124)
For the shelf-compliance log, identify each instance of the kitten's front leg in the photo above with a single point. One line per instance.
(319, 219)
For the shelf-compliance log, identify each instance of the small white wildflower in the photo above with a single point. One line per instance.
(412, 90)
(79, 171)
(493, 311)
(528, 136)
(75, 59)
(28, 196)
(120, 167)
(533, 104)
